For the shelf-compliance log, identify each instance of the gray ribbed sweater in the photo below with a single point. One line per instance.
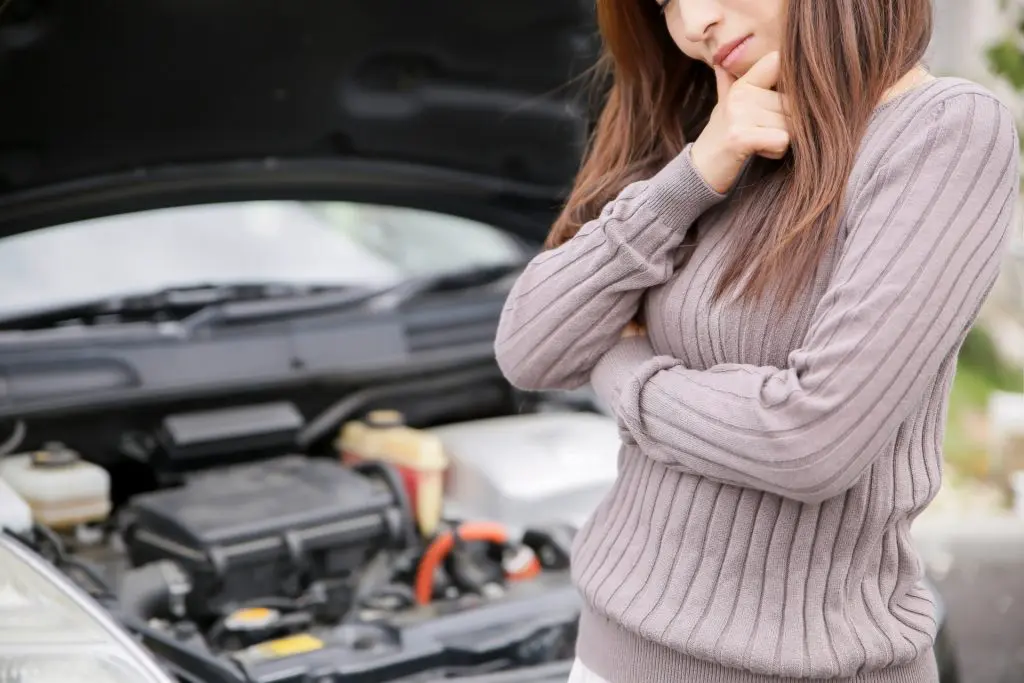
(759, 529)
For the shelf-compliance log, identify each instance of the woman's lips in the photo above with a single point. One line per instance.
(731, 52)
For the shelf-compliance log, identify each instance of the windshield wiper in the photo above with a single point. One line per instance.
(453, 281)
(386, 298)
(163, 305)
(203, 304)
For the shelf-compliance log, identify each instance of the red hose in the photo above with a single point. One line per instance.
(442, 545)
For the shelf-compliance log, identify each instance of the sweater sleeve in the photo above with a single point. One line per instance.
(570, 304)
(916, 264)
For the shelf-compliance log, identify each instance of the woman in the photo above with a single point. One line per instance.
(806, 223)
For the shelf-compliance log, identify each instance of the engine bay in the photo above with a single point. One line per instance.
(393, 553)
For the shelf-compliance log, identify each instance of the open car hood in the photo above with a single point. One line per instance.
(455, 105)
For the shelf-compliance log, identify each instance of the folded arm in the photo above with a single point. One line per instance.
(571, 303)
(916, 266)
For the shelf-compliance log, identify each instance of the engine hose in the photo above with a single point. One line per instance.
(442, 545)
(354, 402)
(62, 560)
(403, 524)
(150, 591)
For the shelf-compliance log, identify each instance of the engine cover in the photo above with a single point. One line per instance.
(267, 529)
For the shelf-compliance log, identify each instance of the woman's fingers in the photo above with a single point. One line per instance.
(765, 73)
(769, 100)
(770, 119)
(772, 143)
(723, 82)
(633, 329)
(760, 108)
(770, 136)
(749, 118)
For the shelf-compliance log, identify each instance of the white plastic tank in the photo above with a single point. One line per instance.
(530, 469)
(15, 514)
(61, 489)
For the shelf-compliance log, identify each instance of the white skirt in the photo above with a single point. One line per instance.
(581, 674)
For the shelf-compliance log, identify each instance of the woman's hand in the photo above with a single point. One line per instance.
(749, 119)
(633, 329)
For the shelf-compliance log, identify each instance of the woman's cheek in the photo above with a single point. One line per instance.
(689, 48)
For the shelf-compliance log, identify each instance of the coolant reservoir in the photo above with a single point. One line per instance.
(61, 489)
(415, 453)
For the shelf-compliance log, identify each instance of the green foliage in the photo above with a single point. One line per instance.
(980, 372)
(1006, 59)
(980, 357)
(980, 369)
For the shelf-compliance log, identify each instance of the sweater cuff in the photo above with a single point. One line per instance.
(680, 192)
(617, 367)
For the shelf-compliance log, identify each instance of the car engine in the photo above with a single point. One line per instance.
(401, 554)
(270, 529)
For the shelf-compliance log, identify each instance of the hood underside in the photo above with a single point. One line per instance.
(464, 105)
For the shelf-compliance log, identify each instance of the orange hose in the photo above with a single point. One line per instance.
(441, 546)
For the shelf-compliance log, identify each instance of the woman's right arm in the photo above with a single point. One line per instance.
(571, 303)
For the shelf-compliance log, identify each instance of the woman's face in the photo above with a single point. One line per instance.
(732, 34)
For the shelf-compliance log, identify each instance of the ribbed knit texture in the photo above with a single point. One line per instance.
(773, 461)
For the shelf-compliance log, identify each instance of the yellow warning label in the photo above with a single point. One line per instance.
(253, 614)
(290, 645)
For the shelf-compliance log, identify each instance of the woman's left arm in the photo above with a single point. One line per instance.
(923, 250)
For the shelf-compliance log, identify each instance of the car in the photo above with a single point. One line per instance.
(253, 256)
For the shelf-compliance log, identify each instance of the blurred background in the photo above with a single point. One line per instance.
(973, 536)
(984, 40)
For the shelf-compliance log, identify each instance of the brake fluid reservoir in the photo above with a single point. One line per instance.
(417, 455)
(61, 488)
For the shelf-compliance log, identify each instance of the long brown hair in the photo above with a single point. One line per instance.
(838, 60)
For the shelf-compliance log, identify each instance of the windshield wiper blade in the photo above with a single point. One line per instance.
(386, 298)
(201, 305)
(168, 304)
(453, 281)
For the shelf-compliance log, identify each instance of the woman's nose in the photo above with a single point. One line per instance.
(698, 17)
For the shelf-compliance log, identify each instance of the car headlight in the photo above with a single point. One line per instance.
(51, 631)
